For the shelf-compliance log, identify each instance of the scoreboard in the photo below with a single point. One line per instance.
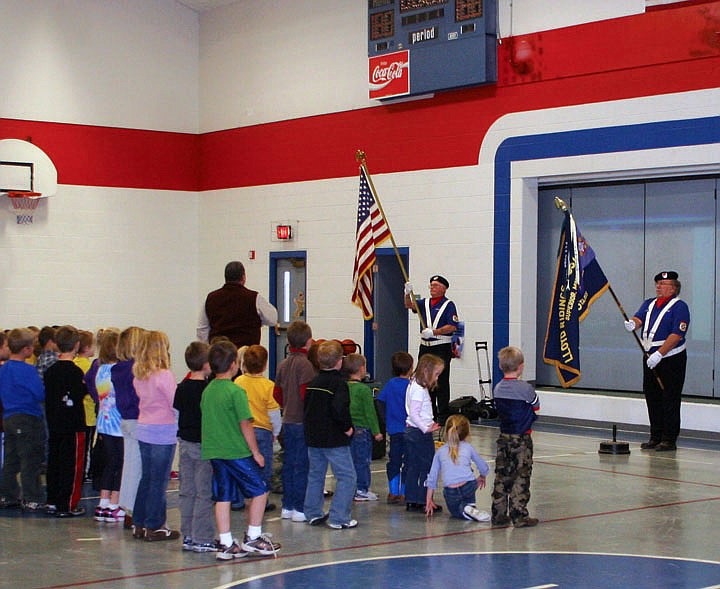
(421, 46)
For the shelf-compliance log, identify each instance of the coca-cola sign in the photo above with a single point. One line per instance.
(389, 74)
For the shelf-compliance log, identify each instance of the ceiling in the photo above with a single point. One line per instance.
(203, 5)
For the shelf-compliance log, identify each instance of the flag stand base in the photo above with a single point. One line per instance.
(614, 447)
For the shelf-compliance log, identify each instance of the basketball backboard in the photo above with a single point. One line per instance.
(25, 167)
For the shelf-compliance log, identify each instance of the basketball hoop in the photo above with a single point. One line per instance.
(23, 205)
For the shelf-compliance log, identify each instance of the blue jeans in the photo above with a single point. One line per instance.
(340, 460)
(264, 439)
(419, 452)
(295, 466)
(396, 464)
(150, 510)
(456, 498)
(361, 449)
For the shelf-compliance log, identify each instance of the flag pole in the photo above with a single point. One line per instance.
(562, 205)
(360, 157)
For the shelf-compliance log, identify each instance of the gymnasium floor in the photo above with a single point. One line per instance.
(638, 520)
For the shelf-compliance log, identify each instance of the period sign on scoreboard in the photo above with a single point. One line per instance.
(389, 75)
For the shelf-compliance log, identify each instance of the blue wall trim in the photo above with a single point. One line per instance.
(566, 144)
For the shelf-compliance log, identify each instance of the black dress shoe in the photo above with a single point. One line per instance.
(415, 507)
(666, 447)
(650, 444)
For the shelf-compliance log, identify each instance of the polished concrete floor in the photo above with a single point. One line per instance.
(603, 519)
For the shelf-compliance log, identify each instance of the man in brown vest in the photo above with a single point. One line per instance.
(234, 311)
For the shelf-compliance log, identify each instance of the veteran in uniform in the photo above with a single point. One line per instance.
(664, 322)
(441, 321)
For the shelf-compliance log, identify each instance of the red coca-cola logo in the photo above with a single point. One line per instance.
(389, 75)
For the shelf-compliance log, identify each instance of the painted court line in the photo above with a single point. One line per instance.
(284, 556)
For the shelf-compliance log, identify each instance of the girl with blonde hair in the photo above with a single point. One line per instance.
(157, 436)
(453, 462)
(420, 426)
(101, 389)
(129, 407)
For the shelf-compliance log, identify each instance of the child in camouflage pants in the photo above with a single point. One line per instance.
(517, 403)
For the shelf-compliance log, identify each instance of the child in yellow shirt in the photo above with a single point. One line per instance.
(263, 406)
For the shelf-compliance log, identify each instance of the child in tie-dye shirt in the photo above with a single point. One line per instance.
(101, 389)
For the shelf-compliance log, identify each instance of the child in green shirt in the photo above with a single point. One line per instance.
(365, 421)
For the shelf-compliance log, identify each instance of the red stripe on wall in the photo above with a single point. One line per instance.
(665, 51)
(87, 155)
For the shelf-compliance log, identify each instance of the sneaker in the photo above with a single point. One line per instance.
(78, 511)
(327, 493)
(174, 475)
(34, 507)
(230, 552)
(286, 513)
(100, 513)
(187, 543)
(526, 522)
(138, 532)
(365, 496)
(501, 520)
(113, 516)
(51, 509)
(161, 534)
(472, 512)
(213, 546)
(261, 545)
(316, 521)
(351, 524)
(298, 516)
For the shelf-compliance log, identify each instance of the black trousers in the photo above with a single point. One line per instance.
(663, 403)
(440, 396)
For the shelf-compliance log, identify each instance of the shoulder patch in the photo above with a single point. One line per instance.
(683, 326)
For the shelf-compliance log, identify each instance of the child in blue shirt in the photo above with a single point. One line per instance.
(22, 395)
(517, 404)
(453, 461)
(392, 396)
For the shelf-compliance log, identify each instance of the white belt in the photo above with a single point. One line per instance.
(647, 346)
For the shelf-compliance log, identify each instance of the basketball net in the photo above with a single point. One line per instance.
(24, 205)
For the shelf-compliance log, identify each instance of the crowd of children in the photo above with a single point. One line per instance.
(226, 417)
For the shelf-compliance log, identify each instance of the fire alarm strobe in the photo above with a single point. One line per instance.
(283, 232)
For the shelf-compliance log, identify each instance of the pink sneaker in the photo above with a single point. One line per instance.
(115, 515)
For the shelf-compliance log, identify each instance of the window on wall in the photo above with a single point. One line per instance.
(636, 229)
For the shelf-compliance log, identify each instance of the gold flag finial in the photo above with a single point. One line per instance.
(360, 156)
(561, 204)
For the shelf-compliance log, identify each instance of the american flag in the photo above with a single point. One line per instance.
(371, 232)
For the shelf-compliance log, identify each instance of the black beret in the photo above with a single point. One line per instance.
(440, 279)
(666, 275)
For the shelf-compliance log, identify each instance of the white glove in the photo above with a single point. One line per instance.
(408, 288)
(653, 360)
(630, 325)
(427, 333)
